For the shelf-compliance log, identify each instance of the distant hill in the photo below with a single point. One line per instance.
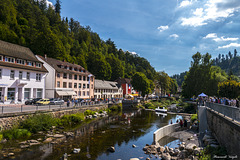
(230, 63)
(179, 77)
(33, 24)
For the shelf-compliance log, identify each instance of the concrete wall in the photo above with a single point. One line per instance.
(226, 131)
(10, 120)
(164, 131)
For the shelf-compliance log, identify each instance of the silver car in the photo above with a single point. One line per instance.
(56, 101)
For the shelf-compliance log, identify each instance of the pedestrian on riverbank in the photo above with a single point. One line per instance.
(171, 122)
(68, 102)
(185, 123)
(181, 123)
(72, 102)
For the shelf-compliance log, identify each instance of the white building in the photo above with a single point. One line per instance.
(22, 75)
(107, 89)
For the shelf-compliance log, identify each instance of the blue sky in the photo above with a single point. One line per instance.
(165, 32)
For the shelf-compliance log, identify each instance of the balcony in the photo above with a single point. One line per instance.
(22, 82)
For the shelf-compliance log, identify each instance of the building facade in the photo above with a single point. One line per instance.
(126, 86)
(66, 80)
(22, 75)
(107, 89)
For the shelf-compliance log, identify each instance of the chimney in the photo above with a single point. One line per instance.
(45, 56)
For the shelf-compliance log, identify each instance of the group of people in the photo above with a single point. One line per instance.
(225, 101)
(182, 123)
(80, 102)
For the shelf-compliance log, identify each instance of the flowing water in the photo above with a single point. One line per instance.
(120, 131)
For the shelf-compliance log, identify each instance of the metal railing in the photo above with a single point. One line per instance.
(229, 111)
(8, 109)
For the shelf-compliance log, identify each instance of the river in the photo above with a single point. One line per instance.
(94, 138)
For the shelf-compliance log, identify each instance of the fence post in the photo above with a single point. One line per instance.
(2, 109)
(21, 108)
(60, 106)
(49, 106)
(37, 108)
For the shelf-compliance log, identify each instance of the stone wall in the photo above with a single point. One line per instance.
(164, 131)
(7, 121)
(226, 131)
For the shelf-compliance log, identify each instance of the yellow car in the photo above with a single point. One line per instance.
(43, 102)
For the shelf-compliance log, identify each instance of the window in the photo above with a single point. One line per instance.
(80, 77)
(65, 75)
(91, 86)
(1, 58)
(0, 73)
(38, 65)
(20, 61)
(58, 83)
(11, 94)
(64, 84)
(28, 76)
(20, 74)
(84, 78)
(58, 75)
(92, 79)
(79, 85)
(12, 74)
(29, 63)
(87, 93)
(27, 92)
(84, 85)
(79, 93)
(87, 78)
(69, 85)
(39, 93)
(8, 59)
(87, 85)
(83, 93)
(75, 85)
(38, 77)
(70, 68)
(75, 77)
(70, 76)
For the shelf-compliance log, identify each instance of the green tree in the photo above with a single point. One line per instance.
(141, 83)
(229, 89)
(58, 6)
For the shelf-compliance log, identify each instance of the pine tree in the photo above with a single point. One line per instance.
(58, 6)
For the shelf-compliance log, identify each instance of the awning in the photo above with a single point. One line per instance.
(66, 93)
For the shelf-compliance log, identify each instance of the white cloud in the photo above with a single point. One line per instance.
(175, 36)
(48, 3)
(162, 28)
(229, 45)
(217, 39)
(213, 10)
(185, 3)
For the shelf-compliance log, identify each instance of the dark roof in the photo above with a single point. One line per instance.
(123, 80)
(100, 84)
(20, 66)
(55, 63)
(17, 51)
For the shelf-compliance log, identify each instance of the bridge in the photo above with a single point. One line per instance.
(224, 123)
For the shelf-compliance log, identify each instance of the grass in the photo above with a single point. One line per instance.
(72, 119)
(16, 134)
(89, 112)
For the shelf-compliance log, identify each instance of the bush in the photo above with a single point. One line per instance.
(193, 117)
(71, 119)
(40, 122)
(209, 152)
(149, 105)
(1, 137)
(16, 134)
(115, 108)
(89, 112)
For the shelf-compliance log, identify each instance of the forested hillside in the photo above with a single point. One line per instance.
(230, 63)
(33, 24)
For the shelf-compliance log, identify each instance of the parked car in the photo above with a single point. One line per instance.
(32, 101)
(80, 100)
(56, 101)
(43, 102)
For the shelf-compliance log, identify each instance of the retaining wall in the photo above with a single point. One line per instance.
(7, 121)
(225, 130)
(164, 131)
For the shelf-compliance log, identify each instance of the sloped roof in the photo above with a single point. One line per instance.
(100, 84)
(55, 63)
(17, 51)
(123, 80)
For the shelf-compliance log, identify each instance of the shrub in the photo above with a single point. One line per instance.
(89, 112)
(40, 122)
(16, 134)
(149, 105)
(193, 117)
(1, 137)
(115, 108)
(209, 152)
(71, 119)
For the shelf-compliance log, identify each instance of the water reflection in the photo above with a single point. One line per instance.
(94, 138)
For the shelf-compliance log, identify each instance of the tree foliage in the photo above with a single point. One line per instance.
(229, 89)
(141, 83)
(40, 27)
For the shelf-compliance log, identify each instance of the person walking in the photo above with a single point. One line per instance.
(181, 123)
(68, 102)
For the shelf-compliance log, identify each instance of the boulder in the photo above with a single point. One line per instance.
(24, 146)
(111, 149)
(183, 154)
(190, 147)
(10, 154)
(145, 148)
(32, 141)
(166, 156)
(76, 150)
(48, 140)
(134, 159)
(58, 136)
(161, 149)
(167, 149)
(181, 147)
(196, 151)
(134, 146)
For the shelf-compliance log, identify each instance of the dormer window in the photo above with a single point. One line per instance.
(38, 65)
(65, 67)
(9, 59)
(29, 63)
(62, 66)
(70, 68)
(20, 61)
(1, 58)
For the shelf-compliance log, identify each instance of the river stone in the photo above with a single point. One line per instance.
(47, 140)
(167, 149)
(166, 156)
(134, 146)
(134, 159)
(145, 148)
(161, 149)
(58, 136)
(24, 142)
(183, 154)
(76, 150)
(190, 147)
(111, 149)
(10, 154)
(32, 141)
(24, 146)
(197, 151)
